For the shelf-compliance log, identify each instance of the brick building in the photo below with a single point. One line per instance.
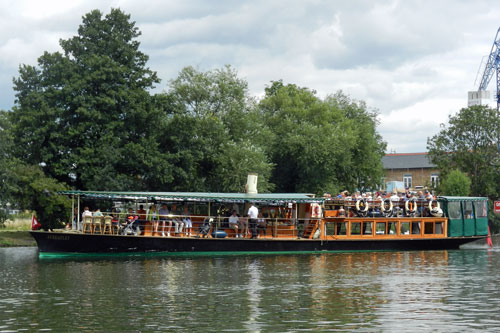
(413, 169)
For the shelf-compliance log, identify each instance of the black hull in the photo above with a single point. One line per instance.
(86, 243)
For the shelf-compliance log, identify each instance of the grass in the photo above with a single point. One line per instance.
(15, 233)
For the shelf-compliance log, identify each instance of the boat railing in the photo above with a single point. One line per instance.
(201, 225)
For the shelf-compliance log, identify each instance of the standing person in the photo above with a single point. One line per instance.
(74, 225)
(164, 219)
(154, 218)
(253, 213)
(186, 219)
(141, 213)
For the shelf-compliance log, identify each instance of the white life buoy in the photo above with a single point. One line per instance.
(413, 207)
(382, 205)
(438, 206)
(365, 202)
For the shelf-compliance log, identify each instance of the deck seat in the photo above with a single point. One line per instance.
(87, 224)
(107, 225)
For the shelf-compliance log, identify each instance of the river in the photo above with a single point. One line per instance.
(363, 292)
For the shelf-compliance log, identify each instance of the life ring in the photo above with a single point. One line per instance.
(413, 207)
(382, 206)
(438, 206)
(315, 210)
(365, 205)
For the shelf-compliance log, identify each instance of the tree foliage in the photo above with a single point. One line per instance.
(320, 145)
(214, 138)
(87, 114)
(456, 183)
(85, 118)
(470, 144)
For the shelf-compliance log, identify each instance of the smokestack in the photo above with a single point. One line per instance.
(251, 186)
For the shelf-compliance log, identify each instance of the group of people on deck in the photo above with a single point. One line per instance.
(163, 219)
(395, 196)
(254, 222)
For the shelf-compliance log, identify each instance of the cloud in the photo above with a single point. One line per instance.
(414, 61)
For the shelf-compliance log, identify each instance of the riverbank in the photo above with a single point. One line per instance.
(9, 238)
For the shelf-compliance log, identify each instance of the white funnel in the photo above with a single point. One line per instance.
(251, 186)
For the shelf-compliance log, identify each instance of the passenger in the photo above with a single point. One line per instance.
(233, 223)
(186, 219)
(154, 217)
(243, 226)
(115, 219)
(236, 207)
(261, 225)
(253, 213)
(421, 200)
(132, 219)
(163, 212)
(141, 213)
(97, 213)
(86, 212)
(178, 222)
(341, 212)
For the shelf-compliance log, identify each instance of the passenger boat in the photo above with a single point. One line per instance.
(290, 223)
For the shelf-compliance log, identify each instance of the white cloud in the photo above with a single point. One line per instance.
(414, 61)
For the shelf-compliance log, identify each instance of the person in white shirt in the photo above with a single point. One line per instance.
(86, 212)
(253, 213)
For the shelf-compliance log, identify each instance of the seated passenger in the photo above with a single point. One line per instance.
(261, 225)
(176, 219)
(163, 214)
(233, 223)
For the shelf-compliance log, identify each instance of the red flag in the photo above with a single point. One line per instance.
(34, 223)
(488, 240)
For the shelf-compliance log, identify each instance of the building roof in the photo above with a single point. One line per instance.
(407, 161)
(197, 196)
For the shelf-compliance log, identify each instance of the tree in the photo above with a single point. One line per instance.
(456, 183)
(214, 138)
(87, 115)
(470, 144)
(320, 146)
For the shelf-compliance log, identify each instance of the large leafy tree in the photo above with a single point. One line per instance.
(86, 114)
(213, 137)
(469, 143)
(320, 145)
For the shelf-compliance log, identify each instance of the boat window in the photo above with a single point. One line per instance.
(454, 210)
(367, 228)
(341, 228)
(336, 228)
(329, 229)
(405, 228)
(355, 228)
(480, 208)
(468, 210)
(428, 228)
(438, 228)
(415, 228)
(380, 228)
(392, 228)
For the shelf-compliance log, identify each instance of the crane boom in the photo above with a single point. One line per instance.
(492, 66)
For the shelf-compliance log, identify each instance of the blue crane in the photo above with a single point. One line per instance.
(492, 66)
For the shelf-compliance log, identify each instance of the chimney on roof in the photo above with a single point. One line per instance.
(251, 186)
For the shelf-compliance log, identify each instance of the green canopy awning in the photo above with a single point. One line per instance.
(198, 196)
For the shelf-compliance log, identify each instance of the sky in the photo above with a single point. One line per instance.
(412, 61)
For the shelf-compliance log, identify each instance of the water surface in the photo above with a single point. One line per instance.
(364, 291)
